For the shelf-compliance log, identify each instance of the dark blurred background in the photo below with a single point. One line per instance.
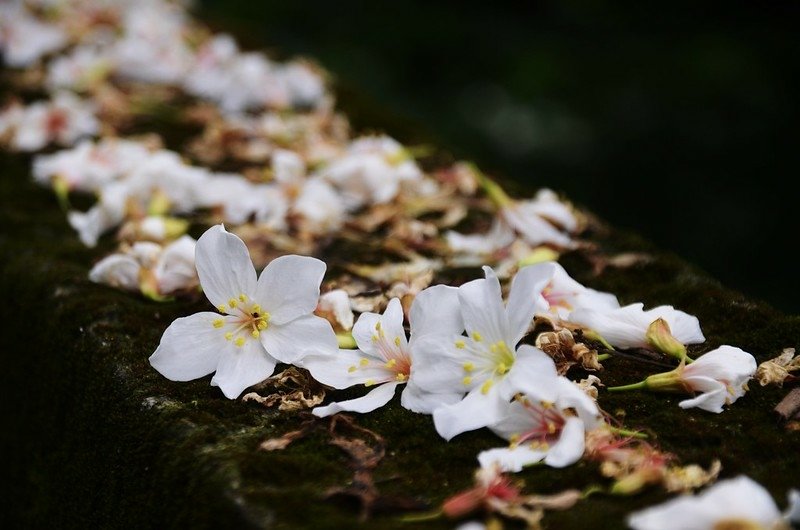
(679, 121)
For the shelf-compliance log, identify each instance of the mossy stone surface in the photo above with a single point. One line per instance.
(94, 437)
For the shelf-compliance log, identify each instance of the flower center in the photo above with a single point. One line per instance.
(391, 349)
(548, 423)
(246, 318)
(557, 298)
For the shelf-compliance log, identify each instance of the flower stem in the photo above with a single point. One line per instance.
(641, 385)
(603, 356)
(498, 196)
(420, 517)
(628, 433)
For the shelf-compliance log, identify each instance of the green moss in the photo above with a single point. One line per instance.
(95, 437)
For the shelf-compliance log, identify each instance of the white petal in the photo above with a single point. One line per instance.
(483, 310)
(190, 348)
(375, 399)
(524, 299)
(570, 445)
(224, 266)
(439, 365)
(792, 513)
(713, 394)
(306, 335)
(476, 410)
(372, 331)
(533, 373)
(436, 310)
(417, 400)
(242, 367)
(289, 287)
(338, 303)
(117, 270)
(346, 368)
(510, 459)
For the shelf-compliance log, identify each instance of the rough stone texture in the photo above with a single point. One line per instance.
(95, 438)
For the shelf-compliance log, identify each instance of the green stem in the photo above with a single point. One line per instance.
(420, 517)
(626, 432)
(498, 196)
(603, 356)
(641, 385)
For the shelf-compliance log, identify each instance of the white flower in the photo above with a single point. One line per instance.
(148, 267)
(737, 503)
(485, 363)
(90, 165)
(82, 69)
(541, 220)
(337, 304)
(371, 171)
(499, 236)
(385, 358)
(627, 327)
(719, 376)
(23, 39)
(562, 294)
(544, 422)
(320, 207)
(262, 321)
(63, 120)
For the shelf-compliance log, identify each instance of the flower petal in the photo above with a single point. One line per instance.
(417, 400)
(375, 399)
(436, 310)
(242, 367)
(713, 395)
(371, 327)
(346, 368)
(525, 297)
(476, 410)
(191, 347)
(306, 335)
(510, 459)
(570, 445)
(483, 310)
(223, 266)
(289, 287)
(117, 270)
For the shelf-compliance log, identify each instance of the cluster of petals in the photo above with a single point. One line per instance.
(739, 503)
(148, 267)
(62, 120)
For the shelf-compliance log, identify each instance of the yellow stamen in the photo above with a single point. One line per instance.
(221, 308)
(514, 439)
(218, 323)
(255, 333)
(477, 337)
(467, 380)
(375, 338)
(232, 302)
(551, 427)
(397, 341)
(547, 404)
(369, 382)
(239, 341)
(352, 369)
(229, 335)
(363, 362)
(468, 367)
(378, 325)
(502, 368)
(257, 309)
(391, 363)
(242, 298)
(486, 386)
(262, 325)
(402, 378)
(460, 344)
